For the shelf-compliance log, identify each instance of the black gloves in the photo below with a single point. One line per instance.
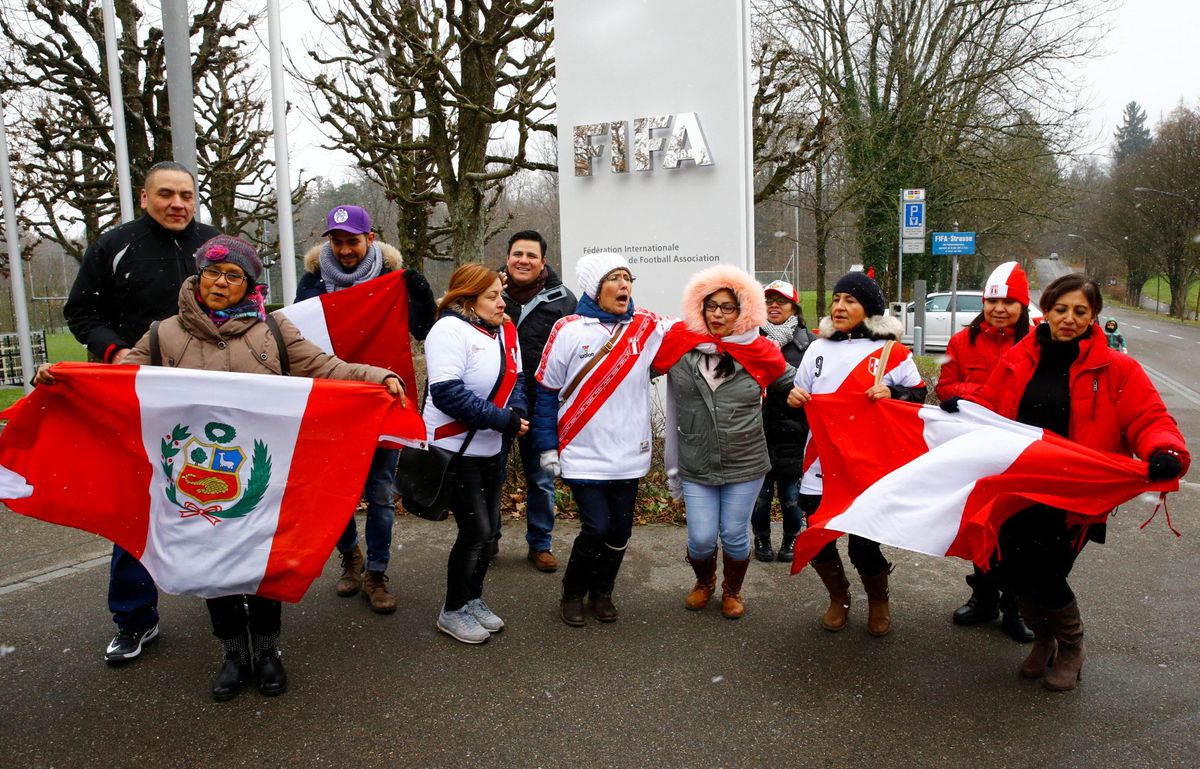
(1165, 465)
(950, 405)
(514, 424)
(417, 285)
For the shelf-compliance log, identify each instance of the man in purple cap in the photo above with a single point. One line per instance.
(350, 255)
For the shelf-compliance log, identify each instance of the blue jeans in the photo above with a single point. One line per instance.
(789, 505)
(381, 512)
(605, 512)
(132, 596)
(723, 511)
(539, 496)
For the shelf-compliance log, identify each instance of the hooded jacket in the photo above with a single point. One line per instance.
(720, 431)
(422, 307)
(969, 365)
(1114, 406)
(241, 345)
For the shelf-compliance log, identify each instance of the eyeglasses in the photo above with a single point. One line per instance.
(726, 308)
(621, 276)
(232, 278)
(778, 300)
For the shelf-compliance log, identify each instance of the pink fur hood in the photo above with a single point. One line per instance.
(749, 294)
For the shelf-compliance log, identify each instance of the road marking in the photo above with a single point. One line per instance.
(1182, 389)
(56, 573)
(1133, 326)
(1174, 337)
(1152, 331)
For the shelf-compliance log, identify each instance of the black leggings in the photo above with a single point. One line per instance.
(1037, 551)
(232, 615)
(475, 503)
(868, 560)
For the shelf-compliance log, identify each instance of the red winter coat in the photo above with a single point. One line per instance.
(968, 365)
(1114, 406)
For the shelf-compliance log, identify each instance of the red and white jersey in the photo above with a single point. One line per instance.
(604, 425)
(847, 365)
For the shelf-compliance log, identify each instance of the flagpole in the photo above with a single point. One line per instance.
(283, 185)
(118, 112)
(15, 267)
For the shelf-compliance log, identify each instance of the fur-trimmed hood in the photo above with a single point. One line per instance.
(749, 294)
(392, 260)
(874, 327)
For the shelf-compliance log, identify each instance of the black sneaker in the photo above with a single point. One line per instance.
(127, 644)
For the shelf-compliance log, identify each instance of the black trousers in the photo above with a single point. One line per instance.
(1038, 550)
(475, 503)
(232, 615)
(865, 554)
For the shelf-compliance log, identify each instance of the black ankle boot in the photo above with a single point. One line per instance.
(984, 603)
(762, 547)
(268, 666)
(1013, 623)
(787, 549)
(235, 668)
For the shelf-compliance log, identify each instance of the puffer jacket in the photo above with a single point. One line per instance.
(1114, 406)
(787, 428)
(422, 306)
(969, 365)
(241, 345)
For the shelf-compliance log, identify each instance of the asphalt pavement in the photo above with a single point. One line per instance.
(662, 687)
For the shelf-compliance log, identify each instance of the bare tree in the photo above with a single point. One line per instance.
(421, 92)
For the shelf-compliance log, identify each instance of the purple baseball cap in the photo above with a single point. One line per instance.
(350, 219)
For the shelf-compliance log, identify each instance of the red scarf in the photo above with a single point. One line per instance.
(761, 358)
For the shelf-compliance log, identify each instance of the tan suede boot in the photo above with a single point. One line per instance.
(1044, 644)
(1067, 668)
(706, 582)
(352, 573)
(734, 571)
(879, 614)
(376, 590)
(833, 575)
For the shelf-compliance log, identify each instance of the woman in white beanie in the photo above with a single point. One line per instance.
(591, 423)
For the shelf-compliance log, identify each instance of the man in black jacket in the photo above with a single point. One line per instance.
(130, 277)
(535, 299)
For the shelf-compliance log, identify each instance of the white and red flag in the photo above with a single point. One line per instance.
(918, 478)
(366, 323)
(218, 483)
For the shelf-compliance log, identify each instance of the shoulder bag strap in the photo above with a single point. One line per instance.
(285, 366)
(591, 364)
(549, 295)
(881, 369)
(155, 350)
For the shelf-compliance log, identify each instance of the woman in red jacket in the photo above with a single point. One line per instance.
(971, 356)
(1064, 378)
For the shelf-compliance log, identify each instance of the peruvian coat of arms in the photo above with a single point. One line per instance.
(209, 473)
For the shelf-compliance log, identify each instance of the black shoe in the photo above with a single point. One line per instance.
(127, 644)
(492, 548)
(231, 676)
(571, 611)
(787, 549)
(762, 547)
(269, 673)
(1016, 628)
(975, 611)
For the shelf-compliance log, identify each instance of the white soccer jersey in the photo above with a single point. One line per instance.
(606, 420)
(848, 366)
(459, 350)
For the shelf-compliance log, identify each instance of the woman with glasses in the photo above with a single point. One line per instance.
(222, 325)
(717, 368)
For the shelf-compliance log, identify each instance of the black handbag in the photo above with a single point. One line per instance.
(425, 477)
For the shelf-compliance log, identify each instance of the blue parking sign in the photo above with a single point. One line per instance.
(914, 214)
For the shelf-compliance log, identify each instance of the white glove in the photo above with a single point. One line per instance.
(674, 484)
(549, 462)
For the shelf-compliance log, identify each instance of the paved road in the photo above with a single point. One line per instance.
(662, 687)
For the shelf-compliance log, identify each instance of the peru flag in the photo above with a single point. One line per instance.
(918, 478)
(367, 323)
(218, 483)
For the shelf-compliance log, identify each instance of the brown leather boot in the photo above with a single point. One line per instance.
(376, 592)
(706, 582)
(734, 572)
(1044, 644)
(879, 614)
(352, 573)
(833, 575)
(1067, 669)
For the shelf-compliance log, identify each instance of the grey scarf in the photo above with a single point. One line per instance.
(782, 333)
(336, 277)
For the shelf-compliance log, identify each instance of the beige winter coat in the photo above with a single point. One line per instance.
(242, 345)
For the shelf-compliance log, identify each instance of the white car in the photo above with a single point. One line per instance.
(937, 317)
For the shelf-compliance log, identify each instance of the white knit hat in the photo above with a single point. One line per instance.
(593, 268)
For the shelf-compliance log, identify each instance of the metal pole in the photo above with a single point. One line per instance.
(16, 279)
(953, 293)
(117, 101)
(900, 249)
(178, 49)
(796, 254)
(283, 186)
